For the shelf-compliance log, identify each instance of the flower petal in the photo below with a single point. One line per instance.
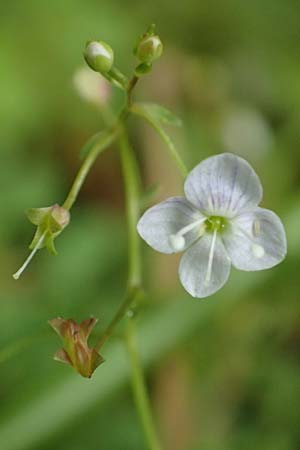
(160, 222)
(194, 266)
(223, 185)
(255, 240)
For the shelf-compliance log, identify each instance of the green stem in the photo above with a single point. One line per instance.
(130, 298)
(131, 86)
(132, 193)
(117, 77)
(139, 388)
(132, 190)
(104, 141)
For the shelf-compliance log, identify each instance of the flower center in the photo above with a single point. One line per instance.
(215, 223)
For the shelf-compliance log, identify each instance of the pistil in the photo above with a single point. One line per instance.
(17, 275)
(210, 258)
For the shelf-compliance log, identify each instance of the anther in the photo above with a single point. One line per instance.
(177, 242)
(258, 250)
(256, 228)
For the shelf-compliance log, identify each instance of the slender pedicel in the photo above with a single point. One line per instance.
(210, 258)
(177, 240)
(17, 275)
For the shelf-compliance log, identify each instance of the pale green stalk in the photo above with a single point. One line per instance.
(139, 387)
(103, 142)
(131, 181)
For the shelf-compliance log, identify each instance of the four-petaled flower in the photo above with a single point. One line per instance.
(218, 224)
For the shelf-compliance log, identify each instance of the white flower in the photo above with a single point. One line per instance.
(218, 224)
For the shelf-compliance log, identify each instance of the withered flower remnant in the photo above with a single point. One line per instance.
(50, 222)
(76, 351)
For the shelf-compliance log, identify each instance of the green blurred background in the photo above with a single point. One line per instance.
(223, 373)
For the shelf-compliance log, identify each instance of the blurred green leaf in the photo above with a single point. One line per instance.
(155, 112)
(153, 120)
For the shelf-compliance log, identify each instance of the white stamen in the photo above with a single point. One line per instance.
(256, 228)
(189, 227)
(177, 240)
(210, 258)
(17, 275)
(258, 250)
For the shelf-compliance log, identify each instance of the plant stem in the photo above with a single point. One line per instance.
(131, 86)
(139, 388)
(132, 193)
(104, 141)
(130, 298)
(132, 189)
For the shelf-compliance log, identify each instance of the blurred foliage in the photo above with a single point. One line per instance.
(231, 71)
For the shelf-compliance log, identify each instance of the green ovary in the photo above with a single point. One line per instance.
(215, 223)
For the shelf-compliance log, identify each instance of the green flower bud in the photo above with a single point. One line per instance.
(149, 49)
(99, 56)
(76, 351)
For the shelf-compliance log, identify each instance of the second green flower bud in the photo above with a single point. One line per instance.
(149, 49)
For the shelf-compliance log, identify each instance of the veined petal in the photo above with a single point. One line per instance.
(205, 267)
(255, 240)
(162, 221)
(223, 185)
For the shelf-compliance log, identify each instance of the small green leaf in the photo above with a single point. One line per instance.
(158, 113)
(143, 110)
